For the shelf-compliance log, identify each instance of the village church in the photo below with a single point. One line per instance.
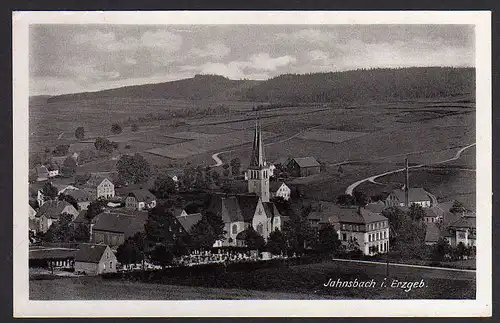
(254, 208)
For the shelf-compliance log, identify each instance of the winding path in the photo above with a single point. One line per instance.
(372, 179)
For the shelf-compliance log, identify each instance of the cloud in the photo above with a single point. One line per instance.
(263, 61)
(213, 50)
(108, 41)
(317, 55)
(309, 35)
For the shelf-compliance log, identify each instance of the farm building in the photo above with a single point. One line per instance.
(112, 228)
(280, 189)
(50, 213)
(53, 258)
(99, 185)
(415, 196)
(140, 200)
(303, 166)
(95, 259)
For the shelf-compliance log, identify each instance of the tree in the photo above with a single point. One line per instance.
(49, 191)
(216, 223)
(134, 127)
(215, 177)
(235, 166)
(70, 199)
(160, 227)
(162, 256)
(64, 230)
(276, 243)
(328, 240)
(361, 198)
(416, 212)
(95, 207)
(253, 239)
(346, 199)
(164, 186)
(133, 169)
(81, 179)
(80, 133)
(225, 172)
(128, 252)
(69, 167)
(116, 128)
(202, 235)
(60, 150)
(35, 160)
(440, 250)
(457, 208)
(101, 144)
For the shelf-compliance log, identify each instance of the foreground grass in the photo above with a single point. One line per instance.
(293, 282)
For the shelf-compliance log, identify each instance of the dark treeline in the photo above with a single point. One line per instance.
(339, 87)
(366, 85)
(200, 87)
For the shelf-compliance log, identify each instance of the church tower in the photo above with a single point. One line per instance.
(258, 171)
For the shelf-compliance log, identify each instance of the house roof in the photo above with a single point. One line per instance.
(415, 194)
(79, 195)
(358, 215)
(432, 232)
(42, 170)
(189, 220)
(281, 161)
(466, 221)
(96, 179)
(53, 209)
(120, 223)
(90, 252)
(52, 253)
(375, 207)
(274, 186)
(142, 195)
(58, 160)
(306, 161)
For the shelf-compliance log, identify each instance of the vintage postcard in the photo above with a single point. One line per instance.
(252, 163)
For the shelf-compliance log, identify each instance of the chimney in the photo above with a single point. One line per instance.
(407, 183)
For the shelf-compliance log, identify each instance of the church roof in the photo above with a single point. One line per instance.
(248, 204)
(230, 210)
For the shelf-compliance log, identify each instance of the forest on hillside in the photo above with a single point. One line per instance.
(366, 85)
(363, 85)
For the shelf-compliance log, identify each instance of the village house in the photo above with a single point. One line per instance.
(113, 228)
(376, 207)
(416, 196)
(280, 189)
(32, 222)
(94, 259)
(140, 200)
(50, 212)
(42, 173)
(359, 225)
(303, 166)
(82, 198)
(53, 171)
(462, 230)
(99, 186)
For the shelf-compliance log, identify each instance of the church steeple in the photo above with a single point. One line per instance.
(258, 171)
(257, 159)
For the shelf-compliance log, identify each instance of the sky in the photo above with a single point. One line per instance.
(78, 58)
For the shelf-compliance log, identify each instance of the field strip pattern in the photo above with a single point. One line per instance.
(329, 135)
(205, 144)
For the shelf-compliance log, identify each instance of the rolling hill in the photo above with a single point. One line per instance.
(349, 86)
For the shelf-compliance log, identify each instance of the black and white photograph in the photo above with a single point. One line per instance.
(246, 158)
